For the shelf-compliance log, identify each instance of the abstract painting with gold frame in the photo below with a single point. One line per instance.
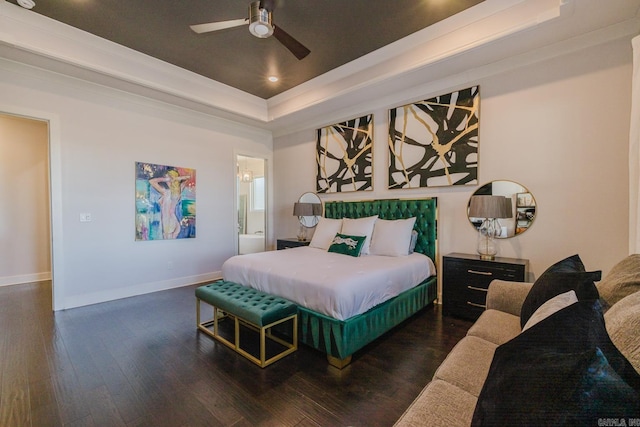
(165, 202)
(344, 156)
(434, 142)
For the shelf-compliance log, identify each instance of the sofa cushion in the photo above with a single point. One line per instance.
(563, 276)
(622, 280)
(440, 404)
(467, 365)
(623, 323)
(507, 296)
(495, 326)
(562, 371)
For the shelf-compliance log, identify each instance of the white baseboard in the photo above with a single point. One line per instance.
(25, 278)
(143, 288)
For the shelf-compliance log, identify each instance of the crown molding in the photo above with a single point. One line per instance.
(476, 26)
(41, 36)
(489, 32)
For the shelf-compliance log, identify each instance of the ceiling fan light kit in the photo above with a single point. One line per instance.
(259, 21)
(27, 4)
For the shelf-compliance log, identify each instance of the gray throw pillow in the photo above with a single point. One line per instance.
(563, 276)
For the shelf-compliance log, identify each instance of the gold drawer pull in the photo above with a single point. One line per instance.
(484, 273)
(476, 305)
(474, 288)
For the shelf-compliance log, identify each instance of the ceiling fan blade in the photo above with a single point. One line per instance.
(290, 43)
(215, 26)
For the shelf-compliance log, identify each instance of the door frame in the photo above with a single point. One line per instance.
(267, 199)
(55, 195)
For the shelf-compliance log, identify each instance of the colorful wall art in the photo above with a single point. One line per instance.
(344, 156)
(165, 202)
(435, 142)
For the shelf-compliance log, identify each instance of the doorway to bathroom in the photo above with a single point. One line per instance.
(252, 200)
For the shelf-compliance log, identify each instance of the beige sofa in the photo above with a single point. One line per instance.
(450, 398)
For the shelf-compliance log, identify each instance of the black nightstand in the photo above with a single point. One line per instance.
(291, 243)
(466, 277)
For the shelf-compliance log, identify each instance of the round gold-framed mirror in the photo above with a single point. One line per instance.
(523, 207)
(309, 206)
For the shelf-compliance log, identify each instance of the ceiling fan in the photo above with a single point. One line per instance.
(260, 25)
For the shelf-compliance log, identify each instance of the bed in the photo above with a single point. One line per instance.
(339, 316)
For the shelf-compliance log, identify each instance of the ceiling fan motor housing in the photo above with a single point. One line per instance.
(259, 21)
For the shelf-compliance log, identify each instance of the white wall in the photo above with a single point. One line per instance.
(558, 125)
(101, 134)
(25, 238)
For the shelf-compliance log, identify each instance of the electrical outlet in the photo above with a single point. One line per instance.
(85, 217)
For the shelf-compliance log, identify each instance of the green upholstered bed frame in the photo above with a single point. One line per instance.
(339, 339)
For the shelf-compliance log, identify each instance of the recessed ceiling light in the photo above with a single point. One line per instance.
(273, 79)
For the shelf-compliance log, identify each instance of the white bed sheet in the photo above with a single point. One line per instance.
(339, 286)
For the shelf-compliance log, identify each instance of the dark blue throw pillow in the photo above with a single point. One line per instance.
(563, 276)
(562, 371)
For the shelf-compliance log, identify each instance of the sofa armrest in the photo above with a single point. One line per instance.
(507, 296)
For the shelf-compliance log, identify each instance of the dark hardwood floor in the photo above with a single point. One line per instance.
(140, 362)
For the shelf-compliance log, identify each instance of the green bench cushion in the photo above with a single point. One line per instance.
(249, 304)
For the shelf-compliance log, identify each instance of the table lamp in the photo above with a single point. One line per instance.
(489, 209)
(300, 210)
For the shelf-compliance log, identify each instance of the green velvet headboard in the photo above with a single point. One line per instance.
(425, 211)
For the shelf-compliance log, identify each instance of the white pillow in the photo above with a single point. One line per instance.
(392, 237)
(360, 227)
(326, 230)
(414, 241)
(550, 307)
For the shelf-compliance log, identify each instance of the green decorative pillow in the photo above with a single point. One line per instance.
(347, 245)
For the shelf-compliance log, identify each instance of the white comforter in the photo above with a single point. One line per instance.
(339, 286)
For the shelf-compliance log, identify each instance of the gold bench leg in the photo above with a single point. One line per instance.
(264, 331)
(263, 350)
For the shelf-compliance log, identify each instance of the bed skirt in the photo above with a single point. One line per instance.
(342, 338)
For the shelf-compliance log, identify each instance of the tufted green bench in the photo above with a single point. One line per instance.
(250, 307)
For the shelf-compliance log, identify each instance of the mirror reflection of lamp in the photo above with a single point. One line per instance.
(489, 209)
(524, 206)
